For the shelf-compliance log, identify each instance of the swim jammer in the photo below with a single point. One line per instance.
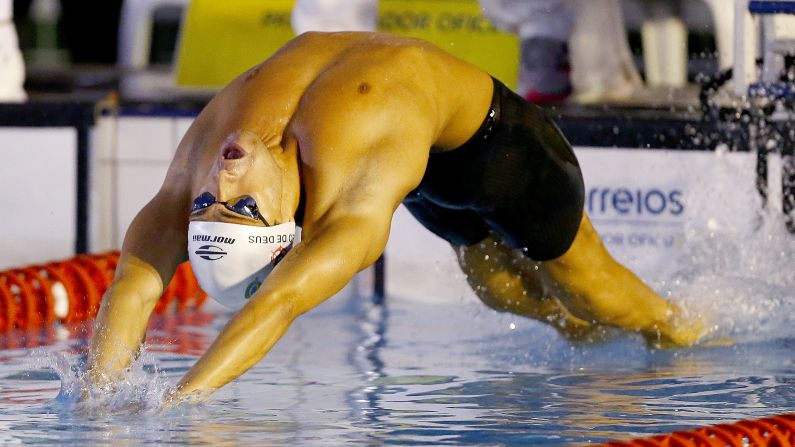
(516, 177)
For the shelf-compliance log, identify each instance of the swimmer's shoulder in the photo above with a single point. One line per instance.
(381, 58)
(416, 59)
(375, 80)
(452, 93)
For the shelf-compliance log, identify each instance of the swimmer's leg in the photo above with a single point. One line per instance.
(509, 282)
(595, 287)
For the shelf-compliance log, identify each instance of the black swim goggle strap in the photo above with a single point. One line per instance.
(244, 205)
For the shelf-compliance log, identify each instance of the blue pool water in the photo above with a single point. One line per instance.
(420, 371)
(408, 374)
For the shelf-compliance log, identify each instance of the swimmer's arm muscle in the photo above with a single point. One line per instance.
(346, 226)
(154, 246)
(359, 160)
(317, 268)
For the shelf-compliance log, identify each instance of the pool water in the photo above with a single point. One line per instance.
(409, 373)
(424, 371)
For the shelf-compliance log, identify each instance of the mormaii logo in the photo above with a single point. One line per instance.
(210, 252)
(216, 239)
(635, 202)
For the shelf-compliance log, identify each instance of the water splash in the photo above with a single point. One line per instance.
(142, 389)
(739, 278)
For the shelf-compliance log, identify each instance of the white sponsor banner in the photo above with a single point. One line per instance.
(649, 204)
(39, 177)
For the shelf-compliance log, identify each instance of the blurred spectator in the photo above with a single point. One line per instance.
(602, 67)
(87, 30)
(544, 27)
(12, 67)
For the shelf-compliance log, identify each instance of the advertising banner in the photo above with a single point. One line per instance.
(221, 40)
(39, 203)
(650, 207)
(458, 27)
(649, 204)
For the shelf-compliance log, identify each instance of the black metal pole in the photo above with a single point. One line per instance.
(83, 180)
(788, 190)
(379, 288)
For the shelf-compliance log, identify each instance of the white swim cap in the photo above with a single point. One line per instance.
(231, 260)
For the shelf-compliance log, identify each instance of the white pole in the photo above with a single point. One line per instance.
(745, 48)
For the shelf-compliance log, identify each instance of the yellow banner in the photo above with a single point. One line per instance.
(458, 27)
(221, 39)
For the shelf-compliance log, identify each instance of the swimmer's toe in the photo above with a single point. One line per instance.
(677, 332)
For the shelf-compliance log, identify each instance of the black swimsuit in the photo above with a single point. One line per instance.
(517, 177)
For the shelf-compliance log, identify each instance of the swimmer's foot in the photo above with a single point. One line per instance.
(577, 330)
(678, 331)
(592, 333)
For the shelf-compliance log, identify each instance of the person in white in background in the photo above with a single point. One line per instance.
(12, 66)
(334, 15)
(544, 27)
(602, 65)
(589, 33)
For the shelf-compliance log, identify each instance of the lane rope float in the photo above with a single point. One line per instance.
(774, 431)
(70, 290)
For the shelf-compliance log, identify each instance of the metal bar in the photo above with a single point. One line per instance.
(777, 90)
(788, 190)
(772, 7)
(81, 210)
(380, 281)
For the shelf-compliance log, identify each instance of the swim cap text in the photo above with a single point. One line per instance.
(275, 239)
(218, 239)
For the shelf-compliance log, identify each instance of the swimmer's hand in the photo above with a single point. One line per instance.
(174, 397)
(85, 388)
(170, 399)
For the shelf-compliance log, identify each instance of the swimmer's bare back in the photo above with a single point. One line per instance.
(343, 122)
(341, 97)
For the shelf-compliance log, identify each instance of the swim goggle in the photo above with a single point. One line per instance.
(243, 205)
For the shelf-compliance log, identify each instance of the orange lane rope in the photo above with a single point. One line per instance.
(70, 291)
(775, 431)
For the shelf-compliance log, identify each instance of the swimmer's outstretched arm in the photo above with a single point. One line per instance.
(154, 246)
(317, 268)
(352, 194)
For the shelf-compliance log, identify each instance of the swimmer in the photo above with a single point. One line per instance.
(332, 133)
